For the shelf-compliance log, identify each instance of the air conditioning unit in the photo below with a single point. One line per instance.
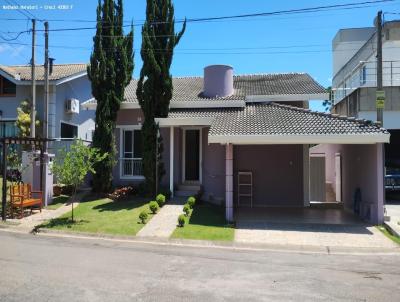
(72, 106)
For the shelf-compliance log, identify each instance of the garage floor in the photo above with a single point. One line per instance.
(306, 226)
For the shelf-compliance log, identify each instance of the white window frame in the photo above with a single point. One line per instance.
(121, 151)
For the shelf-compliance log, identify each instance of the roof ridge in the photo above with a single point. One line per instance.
(27, 65)
(329, 114)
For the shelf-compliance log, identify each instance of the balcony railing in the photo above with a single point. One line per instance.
(357, 78)
(131, 167)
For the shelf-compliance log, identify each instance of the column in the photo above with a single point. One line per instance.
(171, 160)
(306, 175)
(378, 216)
(229, 182)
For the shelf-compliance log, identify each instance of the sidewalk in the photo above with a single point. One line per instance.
(393, 210)
(163, 224)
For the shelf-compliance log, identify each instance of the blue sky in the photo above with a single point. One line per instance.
(289, 43)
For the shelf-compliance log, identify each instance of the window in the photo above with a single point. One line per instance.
(7, 88)
(8, 128)
(68, 130)
(132, 144)
(363, 75)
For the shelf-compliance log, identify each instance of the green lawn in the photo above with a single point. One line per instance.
(207, 222)
(58, 201)
(388, 234)
(103, 216)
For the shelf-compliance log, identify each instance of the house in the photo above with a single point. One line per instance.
(354, 79)
(244, 140)
(69, 86)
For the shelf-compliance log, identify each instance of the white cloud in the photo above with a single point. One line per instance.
(11, 50)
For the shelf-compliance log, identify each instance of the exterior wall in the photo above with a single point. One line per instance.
(78, 88)
(81, 90)
(362, 104)
(277, 173)
(362, 167)
(213, 170)
(350, 76)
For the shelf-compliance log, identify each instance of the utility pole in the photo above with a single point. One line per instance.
(33, 80)
(46, 82)
(380, 94)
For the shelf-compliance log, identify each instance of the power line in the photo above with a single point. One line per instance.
(24, 12)
(232, 17)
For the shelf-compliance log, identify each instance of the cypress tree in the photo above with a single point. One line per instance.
(154, 90)
(110, 71)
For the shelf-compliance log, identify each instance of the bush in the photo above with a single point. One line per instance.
(160, 200)
(191, 201)
(166, 192)
(153, 206)
(143, 216)
(186, 209)
(181, 220)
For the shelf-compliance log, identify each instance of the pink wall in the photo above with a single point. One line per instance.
(362, 167)
(277, 173)
(129, 117)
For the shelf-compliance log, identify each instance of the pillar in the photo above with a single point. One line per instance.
(306, 175)
(229, 182)
(171, 160)
(378, 216)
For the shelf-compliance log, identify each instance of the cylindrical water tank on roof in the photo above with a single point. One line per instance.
(218, 81)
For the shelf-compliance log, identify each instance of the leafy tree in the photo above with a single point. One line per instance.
(72, 166)
(154, 90)
(23, 122)
(110, 71)
(328, 104)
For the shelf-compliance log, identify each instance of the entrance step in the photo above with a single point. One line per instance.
(189, 187)
(186, 193)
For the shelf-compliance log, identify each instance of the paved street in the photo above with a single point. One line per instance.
(38, 268)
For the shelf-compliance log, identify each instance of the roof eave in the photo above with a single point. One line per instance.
(287, 97)
(300, 139)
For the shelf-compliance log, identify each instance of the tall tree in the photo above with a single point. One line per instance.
(110, 71)
(154, 90)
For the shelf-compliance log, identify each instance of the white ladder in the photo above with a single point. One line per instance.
(245, 187)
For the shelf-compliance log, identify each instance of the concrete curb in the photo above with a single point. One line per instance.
(221, 244)
(394, 231)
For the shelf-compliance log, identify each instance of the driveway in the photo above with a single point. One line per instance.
(311, 227)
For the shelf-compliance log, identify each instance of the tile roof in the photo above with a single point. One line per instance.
(60, 71)
(189, 89)
(277, 119)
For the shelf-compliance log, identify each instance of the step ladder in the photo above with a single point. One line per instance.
(245, 188)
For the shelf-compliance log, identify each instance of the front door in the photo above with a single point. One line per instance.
(192, 142)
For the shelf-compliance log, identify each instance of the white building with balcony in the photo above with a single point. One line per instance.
(354, 78)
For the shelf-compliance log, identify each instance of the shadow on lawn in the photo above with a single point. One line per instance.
(208, 215)
(65, 222)
(127, 204)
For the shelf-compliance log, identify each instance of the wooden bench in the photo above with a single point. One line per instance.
(22, 196)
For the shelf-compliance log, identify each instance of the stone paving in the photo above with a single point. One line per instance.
(313, 235)
(29, 222)
(165, 221)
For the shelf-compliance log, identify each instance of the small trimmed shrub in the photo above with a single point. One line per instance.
(166, 192)
(186, 209)
(160, 198)
(143, 216)
(181, 220)
(191, 201)
(153, 206)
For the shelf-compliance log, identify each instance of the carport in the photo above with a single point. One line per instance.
(270, 143)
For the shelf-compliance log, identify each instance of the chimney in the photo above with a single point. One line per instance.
(218, 81)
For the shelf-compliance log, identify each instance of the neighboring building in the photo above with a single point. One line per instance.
(354, 79)
(245, 141)
(69, 87)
